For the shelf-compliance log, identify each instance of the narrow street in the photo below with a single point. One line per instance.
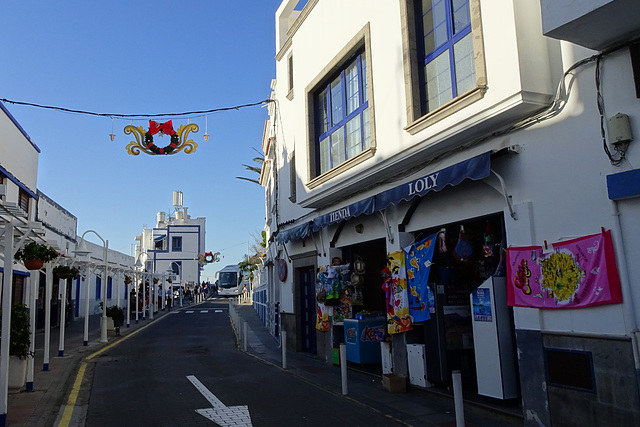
(171, 369)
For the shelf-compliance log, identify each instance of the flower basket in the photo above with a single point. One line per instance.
(127, 280)
(33, 264)
(34, 255)
(66, 272)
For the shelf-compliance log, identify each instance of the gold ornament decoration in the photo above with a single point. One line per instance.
(179, 140)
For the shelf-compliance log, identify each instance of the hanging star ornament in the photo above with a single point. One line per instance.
(145, 143)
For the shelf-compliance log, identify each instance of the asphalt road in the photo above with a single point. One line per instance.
(185, 369)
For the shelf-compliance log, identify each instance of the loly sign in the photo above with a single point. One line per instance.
(423, 184)
(475, 168)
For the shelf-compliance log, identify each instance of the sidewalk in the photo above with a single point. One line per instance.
(416, 407)
(41, 406)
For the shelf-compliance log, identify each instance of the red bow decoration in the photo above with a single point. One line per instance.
(163, 128)
(206, 254)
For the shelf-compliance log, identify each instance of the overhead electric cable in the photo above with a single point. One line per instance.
(133, 116)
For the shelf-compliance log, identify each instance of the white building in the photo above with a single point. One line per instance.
(509, 120)
(18, 194)
(174, 244)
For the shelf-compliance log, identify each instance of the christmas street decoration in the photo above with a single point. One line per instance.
(144, 139)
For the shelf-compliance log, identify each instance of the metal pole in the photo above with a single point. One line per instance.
(283, 344)
(47, 315)
(6, 320)
(35, 275)
(343, 368)
(127, 298)
(457, 398)
(62, 284)
(88, 273)
(103, 324)
(245, 329)
(151, 298)
(137, 287)
(118, 281)
(144, 295)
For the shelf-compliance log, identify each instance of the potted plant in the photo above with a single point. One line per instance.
(66, 272)
(34, 255)
(117, 315)
(127, 279)
(155, 281)
(19, 343)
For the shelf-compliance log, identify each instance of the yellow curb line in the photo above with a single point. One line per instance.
(65, 420)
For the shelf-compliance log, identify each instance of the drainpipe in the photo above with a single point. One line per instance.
(629, 311)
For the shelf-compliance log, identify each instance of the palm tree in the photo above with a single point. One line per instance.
(256, 169)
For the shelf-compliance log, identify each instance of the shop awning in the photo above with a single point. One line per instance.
(295, 233)
(362, 207)
(474, 168)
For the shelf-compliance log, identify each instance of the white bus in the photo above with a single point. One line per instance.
(229, 281)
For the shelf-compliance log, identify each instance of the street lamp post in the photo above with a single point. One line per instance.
(82, 250)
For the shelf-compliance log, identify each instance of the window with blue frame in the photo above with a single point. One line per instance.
(176, 243)
(109, 287)
(445, 71)
(98, 288)
(341, 113)
(447, 50)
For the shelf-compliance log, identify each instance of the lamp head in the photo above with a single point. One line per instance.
(82, 250)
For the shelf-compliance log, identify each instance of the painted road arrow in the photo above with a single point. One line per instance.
(220, 413)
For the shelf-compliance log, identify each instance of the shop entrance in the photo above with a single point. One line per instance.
(307, 309)
(468, 254)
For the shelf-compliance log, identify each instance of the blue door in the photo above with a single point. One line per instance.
(307, 309)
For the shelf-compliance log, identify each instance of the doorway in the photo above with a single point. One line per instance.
(307, 309)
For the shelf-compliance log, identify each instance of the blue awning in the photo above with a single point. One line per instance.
(295, 233)
(474, 168)
(362, 207)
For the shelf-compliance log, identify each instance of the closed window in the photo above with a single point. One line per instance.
(341, 108)
(176, 243)
(447, 51)
(442, 41)
(23, 200)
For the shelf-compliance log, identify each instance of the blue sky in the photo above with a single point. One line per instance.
(144, 57)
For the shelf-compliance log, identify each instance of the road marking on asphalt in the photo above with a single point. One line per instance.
(189, 311)
(65, 419)
(219, 413)
(73, 397)
(204, 311)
